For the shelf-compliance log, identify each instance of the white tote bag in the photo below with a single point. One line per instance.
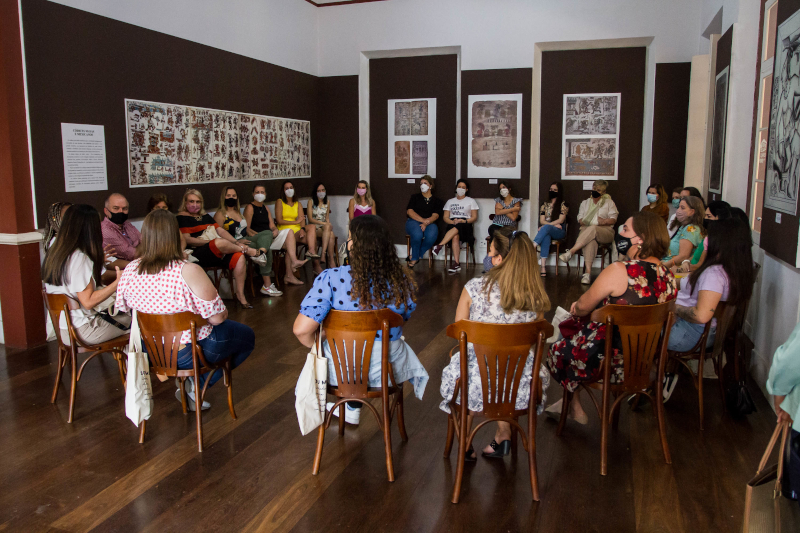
(312, 388)
(560, 316)
(138, 391)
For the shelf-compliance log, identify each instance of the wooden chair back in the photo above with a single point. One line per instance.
(161, 337)
(502, 352)
(351, 336)
(57, 304)
(641, 328)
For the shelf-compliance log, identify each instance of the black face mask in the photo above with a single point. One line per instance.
(230, 202)
(596, 194)
(553, 194)
(623, 243)
(708, 222)
(118, 218)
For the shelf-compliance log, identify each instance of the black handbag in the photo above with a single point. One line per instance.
(739, 401)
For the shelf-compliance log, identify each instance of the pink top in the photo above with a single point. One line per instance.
(362, 210)
(165, 293)
(124, 239)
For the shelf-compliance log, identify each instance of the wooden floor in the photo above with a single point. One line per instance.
(255, 474)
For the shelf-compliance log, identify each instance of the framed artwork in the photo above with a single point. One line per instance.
(170, 144)
(412, 138)
(718, 127)
(783, 155)
(495, 143)
(590, 136)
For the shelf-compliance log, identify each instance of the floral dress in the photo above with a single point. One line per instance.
(576, 359)
(485, 309)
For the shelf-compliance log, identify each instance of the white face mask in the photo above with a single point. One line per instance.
(321, 195)
(503, 192)
(259, 197)
(461, 191)
(424, 187)
(289, 193)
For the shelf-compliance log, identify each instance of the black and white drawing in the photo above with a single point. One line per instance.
(718, 132)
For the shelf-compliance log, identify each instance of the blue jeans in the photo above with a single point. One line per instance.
(684, 335)
(421, 242)
(546, 234)
(229, 338)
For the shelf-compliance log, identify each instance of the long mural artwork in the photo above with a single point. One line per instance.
(171, 144)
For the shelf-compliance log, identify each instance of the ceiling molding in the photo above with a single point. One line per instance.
(342, 3)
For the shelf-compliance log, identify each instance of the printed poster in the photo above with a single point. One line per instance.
(412, 138)
(590, 136)
(495, 142)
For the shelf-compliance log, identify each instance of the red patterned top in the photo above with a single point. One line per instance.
(165, 293)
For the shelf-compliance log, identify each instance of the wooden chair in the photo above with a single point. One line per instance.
(724, 316)
(602, 251)
(220, 273)
(61, 303)
(502, 351)
(408, 252)
(450, 254)
(351, 334)
(641, 330)
(161, 338)
(555, 244)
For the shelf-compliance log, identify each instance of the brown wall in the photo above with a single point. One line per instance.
(670, 123)
(498, 81)
(337, 130)
(82, 66)
(609, 70)
(411, 77)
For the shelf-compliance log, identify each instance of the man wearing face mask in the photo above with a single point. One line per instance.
(118, 233)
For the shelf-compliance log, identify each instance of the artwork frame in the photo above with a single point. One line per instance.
(504, 113)
(719, 126)
(590, 125)
(411, 129)
(173, 144)
(782, 177)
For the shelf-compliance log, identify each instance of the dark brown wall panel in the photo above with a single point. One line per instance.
(670, 123)
(82, 66)
(411, 77)
(608, 70)
(498, 81)
(338, 134)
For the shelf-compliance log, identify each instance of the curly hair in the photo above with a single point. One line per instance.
(379, 279)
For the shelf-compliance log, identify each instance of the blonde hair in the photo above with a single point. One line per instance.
(517, 276)
(367, 195)
(222, 206)
(601, 184)
(182, 207)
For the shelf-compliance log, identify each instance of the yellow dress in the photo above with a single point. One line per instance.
(289, 212)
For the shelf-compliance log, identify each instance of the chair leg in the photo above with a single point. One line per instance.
(141, 431)
(700, 364)
(514, 438)
(318, 453)
(182, 384)
(198, 409)
(448, 444)
(532, 456)
(558, 252)
(659, 400)
(604, 423)
(386, 423)
(341, 419)
(401, 425)
(62, 355)
(230, 389)
(118, 357)
(73, 385)
(566, 399)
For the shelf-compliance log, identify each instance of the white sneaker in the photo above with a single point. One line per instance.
(190, 400)
(351, 415)
(586, 279)
(566, 256)
(272, 290)
(670, 380)
(260, 260)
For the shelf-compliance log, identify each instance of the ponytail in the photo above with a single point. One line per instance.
(517, 276)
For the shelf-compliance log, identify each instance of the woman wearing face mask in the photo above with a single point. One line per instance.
(552, 216)
(506, 209)
(459, 214)
(230, 217)
(509, 293)
(718, 210)
(423, 211)
(657, 201)
(223, 251)
(597, 216)
(290, 215)
(688, 224)
(262, 231)
(318, 213)
(640, 279)
(361, 203)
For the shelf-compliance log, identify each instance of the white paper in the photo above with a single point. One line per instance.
(587, 185)
(84, 149)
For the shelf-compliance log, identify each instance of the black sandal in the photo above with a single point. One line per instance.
(500, 450)
(470, 456)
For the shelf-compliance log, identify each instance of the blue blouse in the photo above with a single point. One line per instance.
(332, 289)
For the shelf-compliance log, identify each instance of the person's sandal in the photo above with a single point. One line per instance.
(470, 456)
(500, 450)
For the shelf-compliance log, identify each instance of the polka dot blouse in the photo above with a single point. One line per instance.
(332, 290)
(165, 293)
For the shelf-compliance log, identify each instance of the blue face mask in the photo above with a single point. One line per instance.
(652, 198)
(487, 263)
(676, 202)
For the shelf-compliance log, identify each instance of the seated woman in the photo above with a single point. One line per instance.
(74, 266)
(229, 215)
(375, 279)
(597, 216)
(210, 250)
(640, 279)
(509, 293)
(552, 217)
(289, 215)
(361, 203)
(717, 210)
(682, 192)
(423, 211)
(319, 213)
(657, 201)
(159, 201)
(726, 275)
(459, 214)
(506, 209)
(53, 223)
(688, 224)
(160, 282)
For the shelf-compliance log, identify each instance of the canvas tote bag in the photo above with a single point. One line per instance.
(312, 389)
(138, 391)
